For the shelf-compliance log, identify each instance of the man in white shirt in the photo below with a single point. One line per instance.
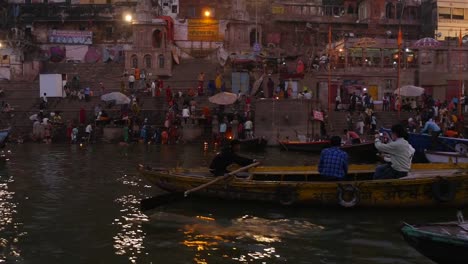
(153, 88)
(400, 151)
(185, 113)
(44, 100)
(131, 82)
(89, 130)
(337, 102)
(248, 126)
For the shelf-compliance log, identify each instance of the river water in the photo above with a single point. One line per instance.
(66, 204)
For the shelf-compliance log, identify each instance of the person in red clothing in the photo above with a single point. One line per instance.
(168, 94)
(82, 116)
(352, 137)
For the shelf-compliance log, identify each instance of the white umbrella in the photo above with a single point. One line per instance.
(223, 98)
(409, 90)
(119, 98)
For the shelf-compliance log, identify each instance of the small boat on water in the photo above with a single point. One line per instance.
(428, 185)
(309, 146)
(3, 136)
(443, 243)
(446, 157)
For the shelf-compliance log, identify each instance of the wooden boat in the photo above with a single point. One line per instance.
(446, 157)
(427, 185)
(3, 136)
(253, 144)
(311, 146)
(443, 243)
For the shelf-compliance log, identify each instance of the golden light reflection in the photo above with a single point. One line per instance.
(129, 240)
(9, 234)
(207, 237)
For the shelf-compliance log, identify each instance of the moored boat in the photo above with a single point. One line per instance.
(443, 243)
(427, 185)
(3, 136)
(446, 157)
(421, 142)
(310, 146)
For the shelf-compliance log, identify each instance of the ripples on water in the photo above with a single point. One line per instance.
(9, 227)
(66, 204)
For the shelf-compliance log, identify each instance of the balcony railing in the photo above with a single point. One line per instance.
(312, 13)
(327, 14)
(53, 12)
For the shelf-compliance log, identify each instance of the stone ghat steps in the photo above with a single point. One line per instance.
(337, 120)
(87, 71)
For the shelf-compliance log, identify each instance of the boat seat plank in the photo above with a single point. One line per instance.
(306, 172)
(432, 173)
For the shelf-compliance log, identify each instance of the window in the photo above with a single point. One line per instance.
(399, 8)
(174, 9)
(390, 10)
(458, 13)
(161, 61)
(148, 62)
(134, 61)
(157, 38)
(109, 31)
(191, 11)
(444, 12)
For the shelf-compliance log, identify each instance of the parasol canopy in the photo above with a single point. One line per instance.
(118, 98)
(409, 90)
(223, 98)
(426, 43)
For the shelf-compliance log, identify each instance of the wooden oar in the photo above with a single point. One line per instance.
(153, 202)
(225, 177)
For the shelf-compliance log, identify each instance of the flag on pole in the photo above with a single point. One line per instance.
(460, 40)
(400, 37)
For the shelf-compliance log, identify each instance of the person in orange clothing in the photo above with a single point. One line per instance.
(451, 133)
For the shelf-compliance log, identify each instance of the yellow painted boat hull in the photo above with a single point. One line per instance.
(437, 185)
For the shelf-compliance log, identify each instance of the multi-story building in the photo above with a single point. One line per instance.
(445, 19)
(82, 31)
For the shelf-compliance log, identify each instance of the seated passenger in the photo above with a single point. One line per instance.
(400, 153)
(333, 165)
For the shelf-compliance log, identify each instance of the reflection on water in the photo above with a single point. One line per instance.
(129, 239)
(9, 226)
(64, 204)
(243, 239)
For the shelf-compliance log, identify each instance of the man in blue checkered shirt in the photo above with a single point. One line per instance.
(333, 165)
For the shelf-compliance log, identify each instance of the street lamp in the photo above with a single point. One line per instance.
(128, 17)
(207, 13)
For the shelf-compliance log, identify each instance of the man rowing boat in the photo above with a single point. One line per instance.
(228, 156)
